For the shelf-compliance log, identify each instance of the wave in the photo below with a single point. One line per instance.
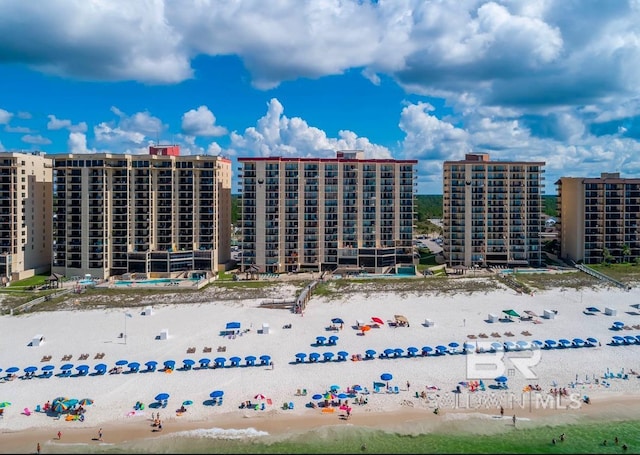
(221, 433)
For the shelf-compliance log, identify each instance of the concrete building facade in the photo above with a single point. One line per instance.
(599, 218)
(25, 215)
(326, 213)
(492, 212)
(157, 214)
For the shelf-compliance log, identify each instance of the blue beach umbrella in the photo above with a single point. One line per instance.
(100, 367)
(343, 354)
(314, 356)
(86, 402)
(317, 396)
(337, 321)
(216, 394)
(48, 368)
(162, 396)
(342, 396)
(453, 344)
(169, 364)
(150, 363)
(357, 387)
(370, 352)
(65, 367)
(501, 379)
(300, 355)
(412, 349)
(121, 363)
(334, 387)
(12, 370)
(386, 376)
(134, 365)
(389, 351)
(251, 358)
(60, 406)
(30, 369)
(72, 402)
(189, 362)
(427, 349)
(82, 367)
(398, 351)
(187, 403)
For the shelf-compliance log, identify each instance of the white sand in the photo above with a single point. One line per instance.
(455, 316)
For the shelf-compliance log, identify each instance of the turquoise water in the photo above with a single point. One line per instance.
(584, 437)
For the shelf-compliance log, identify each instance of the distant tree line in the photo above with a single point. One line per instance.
(428, 206)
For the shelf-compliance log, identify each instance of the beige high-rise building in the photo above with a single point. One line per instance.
(599, 218)
(492, 212)
(25, 215)
(319, 214)
(160, 214)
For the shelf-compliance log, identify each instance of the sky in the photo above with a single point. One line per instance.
(556, 81)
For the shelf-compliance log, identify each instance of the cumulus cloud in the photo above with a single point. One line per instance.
(77, 143)
(35, 139)
(277, 135)
(17, 129)
(201, 122)
(56, 124)
(5, 117)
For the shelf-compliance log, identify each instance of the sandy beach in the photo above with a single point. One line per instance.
(579, 370)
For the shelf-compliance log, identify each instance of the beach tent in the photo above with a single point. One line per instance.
(511, 313)
(401, 320)
(232, 327)
(342, 355)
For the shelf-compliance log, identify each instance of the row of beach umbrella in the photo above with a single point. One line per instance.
(66, 369)
(618, 340)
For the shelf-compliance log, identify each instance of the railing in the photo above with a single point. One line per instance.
(601, 276)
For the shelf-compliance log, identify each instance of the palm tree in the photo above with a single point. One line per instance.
(607, 257)
(626, 252)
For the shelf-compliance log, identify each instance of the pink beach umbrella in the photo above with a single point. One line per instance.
(259, 397)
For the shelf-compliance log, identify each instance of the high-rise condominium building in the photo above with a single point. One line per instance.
(325, 214)
(25, 215)
(158, 214)
(492, 212)
(599, 218)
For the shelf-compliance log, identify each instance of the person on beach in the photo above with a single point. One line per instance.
(38, 448)
(514, 420)
(501, 411)
(100, 434)
(562, 437)
(59, 434)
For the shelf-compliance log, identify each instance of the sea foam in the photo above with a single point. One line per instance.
(221, 433)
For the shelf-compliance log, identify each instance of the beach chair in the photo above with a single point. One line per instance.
(396, 389)
(304, 392)
(285, 406)
(262, 407)
(291, 405)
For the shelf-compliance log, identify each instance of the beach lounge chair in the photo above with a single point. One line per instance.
(291, 405)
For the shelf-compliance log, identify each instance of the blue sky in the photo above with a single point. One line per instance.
(539, 80)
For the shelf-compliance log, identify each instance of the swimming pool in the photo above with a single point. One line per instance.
(150, 281)
(384, 275)
(524, 271)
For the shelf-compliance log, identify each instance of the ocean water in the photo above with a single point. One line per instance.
(583, 437)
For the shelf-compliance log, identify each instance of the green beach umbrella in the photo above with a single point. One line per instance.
(4, 404)
(187, 403)
(511, 313)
